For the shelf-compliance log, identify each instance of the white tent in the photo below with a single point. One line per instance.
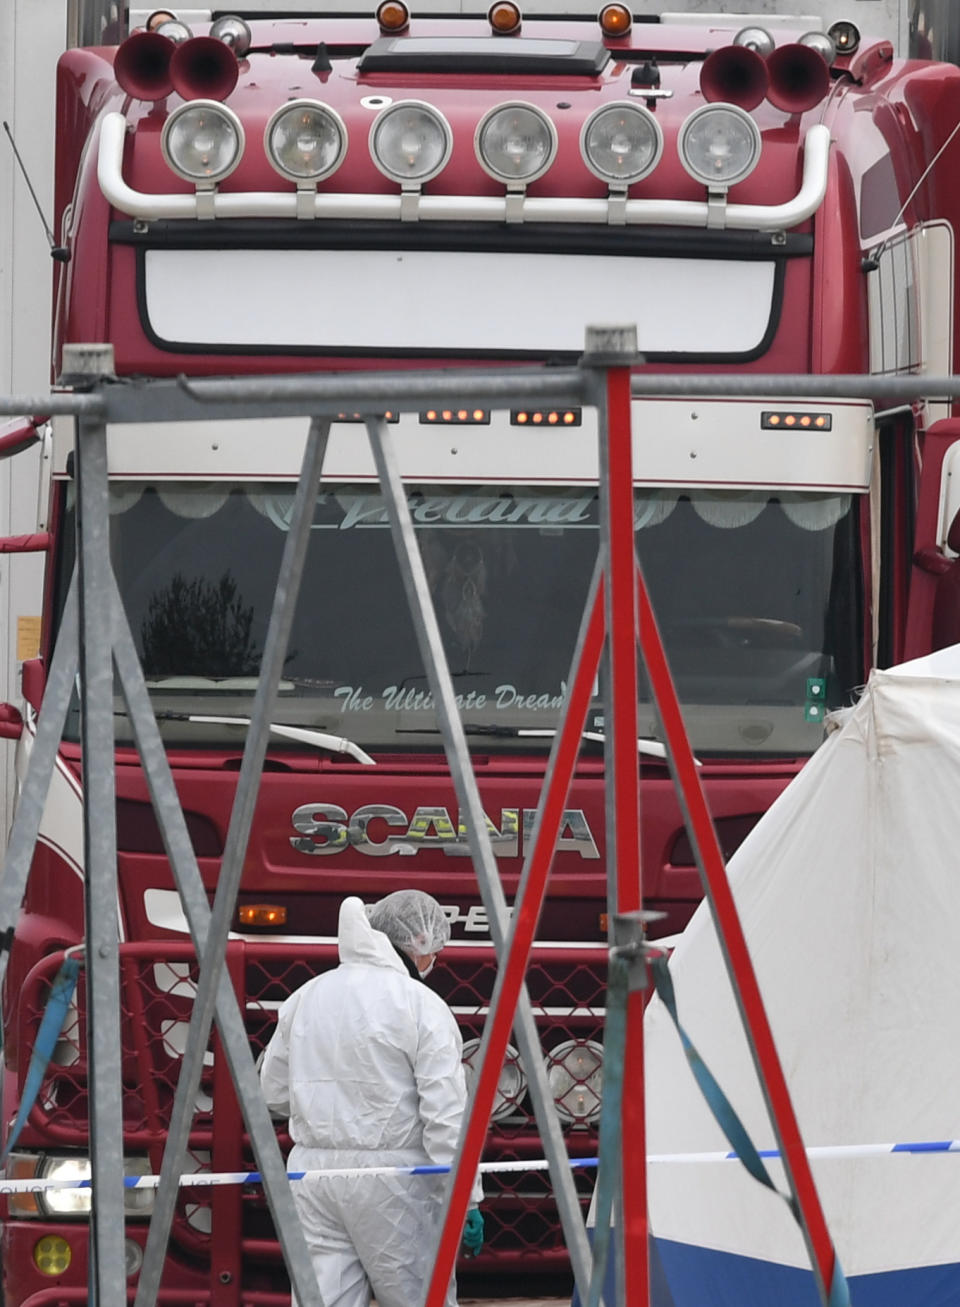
(849, 895)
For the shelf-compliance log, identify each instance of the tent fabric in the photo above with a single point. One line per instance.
(848, 891)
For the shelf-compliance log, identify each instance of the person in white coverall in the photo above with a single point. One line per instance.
(366, 1062)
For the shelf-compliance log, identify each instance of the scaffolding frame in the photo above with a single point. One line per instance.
(95, 642)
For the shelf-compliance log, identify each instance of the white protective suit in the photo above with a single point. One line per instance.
(366, 1062)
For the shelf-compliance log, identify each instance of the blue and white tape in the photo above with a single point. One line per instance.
(207, 1179)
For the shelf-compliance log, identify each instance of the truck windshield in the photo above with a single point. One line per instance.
(752, 590)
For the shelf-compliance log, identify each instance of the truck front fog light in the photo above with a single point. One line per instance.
(511, 1084)
(575, 1076)
(52, 1255)
(132, 1257)
(65, 1202)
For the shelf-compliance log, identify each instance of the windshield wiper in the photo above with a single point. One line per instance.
(650, 748)
(302, 734)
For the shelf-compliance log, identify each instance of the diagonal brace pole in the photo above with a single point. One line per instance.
(736, 955)
(465, 785)
(519, 941)
(241, 820)
(233, 1034)
(43, 758)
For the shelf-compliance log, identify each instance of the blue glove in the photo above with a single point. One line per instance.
(473, 1232)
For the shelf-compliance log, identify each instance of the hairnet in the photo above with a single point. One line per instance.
(412, 920)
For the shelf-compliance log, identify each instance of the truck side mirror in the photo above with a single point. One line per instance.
(11, 723)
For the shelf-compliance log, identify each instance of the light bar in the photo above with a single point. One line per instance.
(545, 417)
(455, 417)
(791, 419)
(261, 914)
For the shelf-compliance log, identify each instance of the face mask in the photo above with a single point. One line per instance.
(423, 974)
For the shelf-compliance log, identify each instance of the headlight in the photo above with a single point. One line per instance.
(511, 1086)
(719, 144)
(61, 1203)
(411, 141)
(575, 1076)
(515, 142)
(621, 142)
(202, 141)
(305, 140)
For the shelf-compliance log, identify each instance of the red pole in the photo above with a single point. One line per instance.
(513, 964)
(734, 946)
(623, 824)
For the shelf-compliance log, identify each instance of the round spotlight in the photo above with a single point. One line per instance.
(504, 18)
(410, 141)
(393, 16)
(615, 20)
(515, 142)
(755, 38)
(621, 142)
(305, 140)
(132, 1257)
(511, 1084)
(232, 31)
(202, 141)
(719, 144)
(845, 37)
(575, 1077)
(822, 42)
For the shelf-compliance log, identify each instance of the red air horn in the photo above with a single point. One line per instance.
(736, 75)
(204, 68)
(149, 66)
(799, 77)
(142, 65)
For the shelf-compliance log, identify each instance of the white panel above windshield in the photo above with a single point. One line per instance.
(430, 301)
(752, 590)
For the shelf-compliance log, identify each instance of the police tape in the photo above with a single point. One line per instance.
(208, 1179)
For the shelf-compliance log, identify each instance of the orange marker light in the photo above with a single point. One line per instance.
(769, 421)
(262, 914)
(551, 417)
(393, 16)
(504, 18)
(615, 20)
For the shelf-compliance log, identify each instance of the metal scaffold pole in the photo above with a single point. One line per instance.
(617, 629)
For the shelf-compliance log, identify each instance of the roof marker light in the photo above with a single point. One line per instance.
(615, 20)
(234, 32)
(174, 31)
(621, 143)
(755, 38)
(515, 142)
(393, 16)
(504, 17)
(823, 43)
(845, 36)
(411, 141)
